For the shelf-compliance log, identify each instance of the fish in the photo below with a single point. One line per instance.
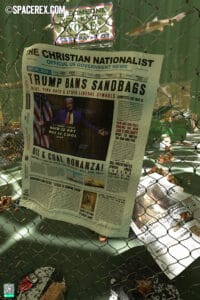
(157, 25)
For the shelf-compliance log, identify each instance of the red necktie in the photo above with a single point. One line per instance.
(68, 118)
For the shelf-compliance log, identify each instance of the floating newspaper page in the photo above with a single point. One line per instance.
(84, 24)
(166, 220)
(86, 116)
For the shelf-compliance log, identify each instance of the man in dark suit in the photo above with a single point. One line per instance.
(72, 119)
(70, 116)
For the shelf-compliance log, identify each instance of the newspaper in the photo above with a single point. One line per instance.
(84, 26)
(86, 116)
(166, 220)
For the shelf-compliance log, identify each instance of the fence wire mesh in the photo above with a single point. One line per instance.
(92, 267)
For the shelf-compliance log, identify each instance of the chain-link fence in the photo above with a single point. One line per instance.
(28, 241)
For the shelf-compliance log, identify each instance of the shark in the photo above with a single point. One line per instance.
(157, 25)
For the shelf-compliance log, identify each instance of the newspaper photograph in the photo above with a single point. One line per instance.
(167, 221)
(86, 116)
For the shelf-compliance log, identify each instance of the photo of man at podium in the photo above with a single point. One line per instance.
(81, 128)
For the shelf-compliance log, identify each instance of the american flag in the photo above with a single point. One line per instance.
(42, 114)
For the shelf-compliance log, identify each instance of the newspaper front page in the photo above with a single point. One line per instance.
(167, 221)
(86, 116)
